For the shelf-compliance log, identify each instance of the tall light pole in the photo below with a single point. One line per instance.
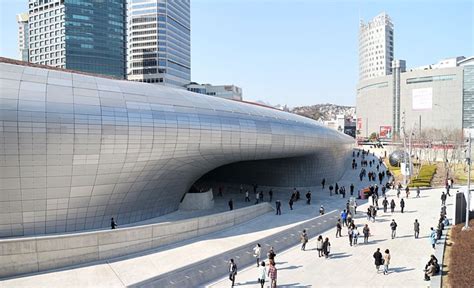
(468, 192)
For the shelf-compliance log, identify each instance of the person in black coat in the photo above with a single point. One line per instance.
(231, 204)
(378, 259)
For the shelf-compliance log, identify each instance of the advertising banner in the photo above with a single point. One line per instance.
(385, 132)
(422, 99)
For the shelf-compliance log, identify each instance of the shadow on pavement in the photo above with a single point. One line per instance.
(290, 267)
(339, 255)
(401, 269)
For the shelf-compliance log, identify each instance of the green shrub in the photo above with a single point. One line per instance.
(424, 177)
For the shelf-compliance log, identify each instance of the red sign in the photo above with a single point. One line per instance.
(385, 132)
(359, 123)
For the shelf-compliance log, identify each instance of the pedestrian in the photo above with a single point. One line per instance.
(338, 228)
(366, 232)
(355, 235)
(308, 197)
(355, 207)
(247, 198)
(417, 192)
(323, 182)
(260, 195)
(336, 188)
(271, 254)
(416, 228)
(291, 203)
(393, 226)
(257, 252)
(262, 275)
(330, 190)
(257, 197)
(232, 271)
(303, 239)
(344, 217)
(373, 213)
(402, 204)
(319, 246)
(378, 259)
(278, 207)
(407, 191)
(272, 273)
(398, 190)
(392, 205)
(113, 224)
(429, 271)
(270, 193)
(433, 238)
(352, 189)
(443, 199)
(369, 213)
(386, 261)
(350, 235)
(231, 205)
(326, 247)
(321, 210)
(385, 204)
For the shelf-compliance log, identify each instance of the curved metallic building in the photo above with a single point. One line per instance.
(77, 149)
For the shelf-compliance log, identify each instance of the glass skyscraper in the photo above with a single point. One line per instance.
(159, 48)
(83, 35)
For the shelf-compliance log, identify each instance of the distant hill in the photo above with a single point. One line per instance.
(324, 112)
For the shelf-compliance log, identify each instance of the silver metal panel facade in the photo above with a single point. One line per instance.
(76, 150)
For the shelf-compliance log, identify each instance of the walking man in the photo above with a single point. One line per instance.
(308, 197)
(323, 182)
(291, 203)
(257, 252)
(417, 192)
(304, 240)
(378, 259)
(278, 207)
(393, 226)
(232, 271)
(247, 199)
(113, 224)
(402, 204)
(338, 228)
(366, 232)
(392, 205)
(352, 189)
(433, 238)
(416, 228)
(321, 210)
(385, 204)
(443, 199)
(231, 205)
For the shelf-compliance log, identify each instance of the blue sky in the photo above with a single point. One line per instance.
(298, 52)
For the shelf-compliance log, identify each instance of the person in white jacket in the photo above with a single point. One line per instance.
(257, 251)
(262, 274)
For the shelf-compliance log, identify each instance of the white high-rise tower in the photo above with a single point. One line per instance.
(375, 47)
(22, 20)
(159, 42)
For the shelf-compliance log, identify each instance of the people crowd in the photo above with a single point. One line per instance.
(373, 169)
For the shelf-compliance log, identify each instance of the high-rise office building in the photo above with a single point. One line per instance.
(84, 35)
(22, 20)
(159, 48)
(375, 47)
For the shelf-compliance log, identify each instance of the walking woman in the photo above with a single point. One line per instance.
(319, 246)
(262, 274)
(257, 251)
(366, 232)
(326, 247)
(378, 259)
(386, 261)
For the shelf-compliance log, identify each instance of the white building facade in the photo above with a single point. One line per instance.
(158, 46)
(22, 20)
(375, 47)
(223, 91)
(46, 33)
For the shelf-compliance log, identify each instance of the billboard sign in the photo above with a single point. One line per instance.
(422, 99)
(385, 132)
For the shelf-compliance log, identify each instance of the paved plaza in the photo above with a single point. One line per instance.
(354, 266)
(348, 265)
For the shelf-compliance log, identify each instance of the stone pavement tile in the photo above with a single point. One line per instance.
(354, 266)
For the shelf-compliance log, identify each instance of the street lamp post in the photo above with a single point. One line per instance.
(468, 192)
